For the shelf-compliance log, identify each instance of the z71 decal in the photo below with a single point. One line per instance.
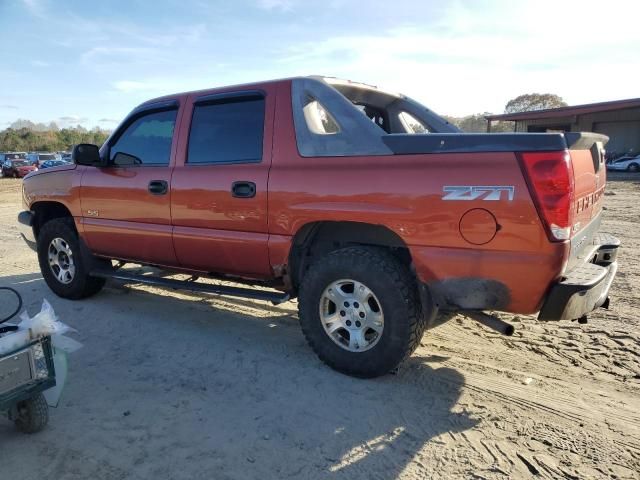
(482, 192)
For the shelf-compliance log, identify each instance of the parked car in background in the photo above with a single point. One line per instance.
(37, 158)
(52, 163)
(12, 156)
(17, 168)
(627, 163)
(66, 156)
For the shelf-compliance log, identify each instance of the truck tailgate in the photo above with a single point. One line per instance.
(589, 172)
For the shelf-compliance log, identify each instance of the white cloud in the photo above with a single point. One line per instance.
(35, 7)
(472, 60)
(127, 86)
(282, 5)
(114, 54)
(71, 121)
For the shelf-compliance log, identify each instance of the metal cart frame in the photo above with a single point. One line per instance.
(22, 385)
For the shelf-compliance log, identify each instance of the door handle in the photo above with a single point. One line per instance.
(158, 187)
(243, 189)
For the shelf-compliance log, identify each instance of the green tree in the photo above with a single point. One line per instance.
(25, 136)
(534, 101)
(476, 123)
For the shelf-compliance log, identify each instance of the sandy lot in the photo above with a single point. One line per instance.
(185, 386)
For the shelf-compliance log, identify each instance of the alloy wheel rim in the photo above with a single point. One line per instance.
(61, 260)
(351, 315)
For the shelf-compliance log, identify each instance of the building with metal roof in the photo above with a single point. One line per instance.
(618, 119)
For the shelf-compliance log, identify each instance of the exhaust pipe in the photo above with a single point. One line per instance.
(492, 322)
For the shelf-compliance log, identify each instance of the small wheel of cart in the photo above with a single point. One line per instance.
(31, 415)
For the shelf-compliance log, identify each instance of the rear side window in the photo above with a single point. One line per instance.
(146, 141)
(319, 120)
(411, 124)
(228, 131)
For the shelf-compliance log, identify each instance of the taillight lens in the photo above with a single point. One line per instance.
(550, 179)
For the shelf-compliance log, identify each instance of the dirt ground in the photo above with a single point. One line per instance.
(185, 386)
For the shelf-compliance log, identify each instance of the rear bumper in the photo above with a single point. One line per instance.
(586, 286)
(25, 225)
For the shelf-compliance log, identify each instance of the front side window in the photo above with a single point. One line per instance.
(146, 141)
(228, 131)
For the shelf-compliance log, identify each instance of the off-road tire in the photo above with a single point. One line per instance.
(32, 415)
(396, 290)
(83, 285)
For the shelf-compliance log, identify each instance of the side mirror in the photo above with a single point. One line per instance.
(86, 154)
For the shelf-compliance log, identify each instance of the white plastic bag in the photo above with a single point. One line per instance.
(44, 323)
(10, 342)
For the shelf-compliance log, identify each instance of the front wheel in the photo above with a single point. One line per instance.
(360, 311)
(61, 263)
(633, 167)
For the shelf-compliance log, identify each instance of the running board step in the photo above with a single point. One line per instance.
(269, 296)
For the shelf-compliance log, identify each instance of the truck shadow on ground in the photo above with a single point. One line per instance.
(164, 379)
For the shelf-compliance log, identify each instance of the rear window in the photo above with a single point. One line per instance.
(229, 131)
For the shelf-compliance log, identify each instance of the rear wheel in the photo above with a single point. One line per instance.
(360, 311)
(633, 167)
(61, 263)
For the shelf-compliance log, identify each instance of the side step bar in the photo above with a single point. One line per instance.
(269, 296)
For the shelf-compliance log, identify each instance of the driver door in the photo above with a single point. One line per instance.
(126, 204)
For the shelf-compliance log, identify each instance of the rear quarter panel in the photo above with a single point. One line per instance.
(405, 194)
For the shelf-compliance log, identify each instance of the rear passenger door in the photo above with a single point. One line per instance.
(219, 184)
(126, 206)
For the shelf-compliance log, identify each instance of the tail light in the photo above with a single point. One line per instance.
(550, 179)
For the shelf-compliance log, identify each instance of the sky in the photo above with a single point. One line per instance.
(90, 63)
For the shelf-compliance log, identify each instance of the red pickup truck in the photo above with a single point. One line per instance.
(371, 209)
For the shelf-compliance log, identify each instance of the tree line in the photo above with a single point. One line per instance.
(523, 103)
(26, 136)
